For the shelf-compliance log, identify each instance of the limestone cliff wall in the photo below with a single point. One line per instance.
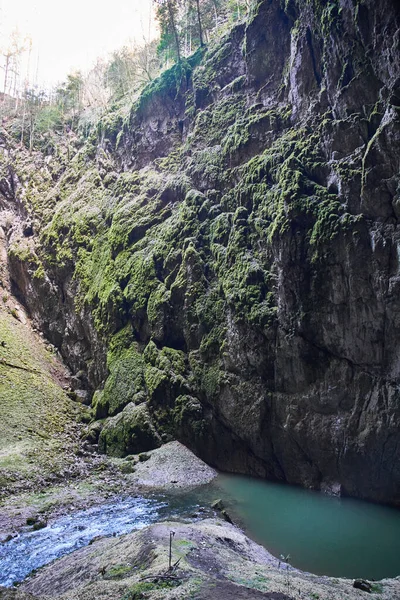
(234, 247)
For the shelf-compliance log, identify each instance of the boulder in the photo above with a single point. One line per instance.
(129, 432)
(362, 584)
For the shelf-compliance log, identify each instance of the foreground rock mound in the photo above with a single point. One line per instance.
(208, 557)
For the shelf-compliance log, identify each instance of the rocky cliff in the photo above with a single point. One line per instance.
(222, 264)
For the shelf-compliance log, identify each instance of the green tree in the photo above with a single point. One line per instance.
(34, 99)
(167, 12)
(69, 98)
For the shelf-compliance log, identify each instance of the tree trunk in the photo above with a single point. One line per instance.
(173, 25)
(31, 134)
(23, 124)
(199, 21)
(215, 13)
(6, 67)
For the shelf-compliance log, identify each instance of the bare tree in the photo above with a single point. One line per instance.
(11, 53)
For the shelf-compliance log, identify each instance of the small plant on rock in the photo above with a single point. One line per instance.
(286, 560)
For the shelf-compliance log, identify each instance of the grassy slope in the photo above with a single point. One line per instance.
(38, 428)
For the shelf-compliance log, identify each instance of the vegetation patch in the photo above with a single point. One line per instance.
(118, 572)
(142, 589)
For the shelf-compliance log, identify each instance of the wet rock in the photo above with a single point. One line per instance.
(131, 457)
(75, 383)
(92, 432)
(226, 516)
(217, 504)
(143, 457)
(85, 416)
(82, 396)
(27, 229)
(362, 584)
(127, 467)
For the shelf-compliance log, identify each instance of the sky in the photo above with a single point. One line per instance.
(70, 34)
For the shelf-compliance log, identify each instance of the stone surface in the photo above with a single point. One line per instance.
(172, 466)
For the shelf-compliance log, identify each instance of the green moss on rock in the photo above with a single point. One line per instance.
(126, 379)
(129, 432)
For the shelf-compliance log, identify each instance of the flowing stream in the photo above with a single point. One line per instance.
(32, 549)
(323, 535)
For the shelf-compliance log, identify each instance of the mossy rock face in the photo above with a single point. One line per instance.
(130, 432)
(92, 432)
(188, 418)
(125, 381)
(231, 240)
